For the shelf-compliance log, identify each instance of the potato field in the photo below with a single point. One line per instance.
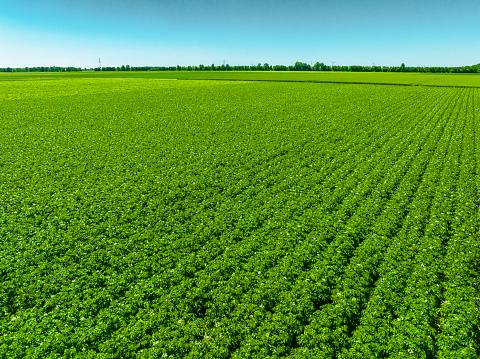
(155, 218)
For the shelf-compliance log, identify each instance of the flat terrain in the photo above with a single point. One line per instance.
(388, 78)
(142, 218)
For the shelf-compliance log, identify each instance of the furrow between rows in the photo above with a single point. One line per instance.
(382, 315)
(332, 327)
(459, 322)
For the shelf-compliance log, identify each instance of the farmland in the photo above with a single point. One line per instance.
(287, 217)
(388, 78)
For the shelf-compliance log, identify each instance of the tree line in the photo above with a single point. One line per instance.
(41, 69)
(298, 66)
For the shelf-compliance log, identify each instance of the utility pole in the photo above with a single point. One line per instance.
(332, 63)
(99, 63)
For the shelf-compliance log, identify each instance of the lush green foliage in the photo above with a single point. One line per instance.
(298, 66)
(142, 218)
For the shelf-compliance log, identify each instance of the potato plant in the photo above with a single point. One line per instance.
(237, 219)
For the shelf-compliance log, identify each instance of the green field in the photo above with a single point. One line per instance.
(286, 217)
(389, 78)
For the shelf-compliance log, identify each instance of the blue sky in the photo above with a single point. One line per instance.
(187, 32)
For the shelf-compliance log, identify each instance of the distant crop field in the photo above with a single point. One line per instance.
(386, 78)
(238, 219)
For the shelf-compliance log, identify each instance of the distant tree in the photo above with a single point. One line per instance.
(302, 66)
(280, 68)
(299, 66)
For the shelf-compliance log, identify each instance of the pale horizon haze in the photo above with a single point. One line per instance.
(185, 32)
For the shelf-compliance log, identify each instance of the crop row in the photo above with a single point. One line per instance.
(238, 220)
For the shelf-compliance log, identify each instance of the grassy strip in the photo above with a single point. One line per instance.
(401, 79)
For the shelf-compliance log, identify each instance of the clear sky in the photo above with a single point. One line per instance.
(192, 32)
